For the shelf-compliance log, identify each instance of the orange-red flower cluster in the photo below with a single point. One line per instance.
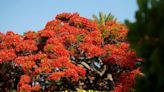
(69, 70)
(7, 55)
(25, 86)
(46, 33)
(121, 55)
(127, 81)
(26, 45)
(55, 51)
(91, 50)
(26, 62)
(56, 76)
(77, 21)
(53, 25)
(30, 35)
(10, 40)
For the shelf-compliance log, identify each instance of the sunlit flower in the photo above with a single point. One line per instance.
(56, 76)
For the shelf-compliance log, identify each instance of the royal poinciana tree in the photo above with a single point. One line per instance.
(70, 53)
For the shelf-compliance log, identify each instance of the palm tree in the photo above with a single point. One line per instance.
(103, 18)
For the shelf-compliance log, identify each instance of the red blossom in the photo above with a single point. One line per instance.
(128, 80)
(54, 41)
(91, 49)
(46, 33)
(30, 35)
(38, 70)
(45, 65)
(26, 62)
(55, 51)
(82, 22)
(72, 73)
(53, 25)
(81, 71)
(121, 55)
(66, 16)
(24, 79)
(56, 76)
(7, 55)
(40, 55)
(10, 40)
(25, 87)
(94, 38)
(60, 61)
(26, 45)
(36, 88)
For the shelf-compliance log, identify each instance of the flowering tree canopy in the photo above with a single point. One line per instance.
(70, 53)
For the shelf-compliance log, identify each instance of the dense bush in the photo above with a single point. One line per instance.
(70, 53)
(147, 38)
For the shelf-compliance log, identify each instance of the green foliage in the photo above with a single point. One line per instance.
(147, 38)
(102, 18)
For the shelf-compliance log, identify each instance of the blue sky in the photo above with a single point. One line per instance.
(23, 15)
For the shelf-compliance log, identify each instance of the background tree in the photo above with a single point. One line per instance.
(147, 38)
(102, 18)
